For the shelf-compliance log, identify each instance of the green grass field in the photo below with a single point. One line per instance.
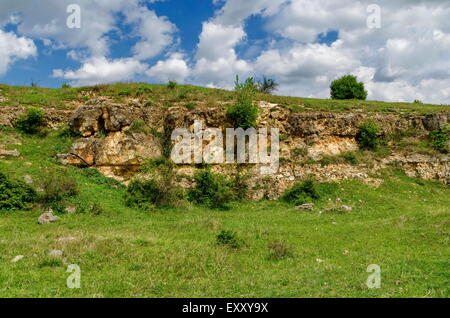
(191, 96)
(403, 226)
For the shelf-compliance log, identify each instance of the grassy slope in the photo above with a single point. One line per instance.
(191, 95)
(403, 226)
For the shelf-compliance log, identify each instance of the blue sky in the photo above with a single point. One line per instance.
(303, 44)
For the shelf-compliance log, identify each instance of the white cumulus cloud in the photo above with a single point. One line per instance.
(13, 48)
(100, 70)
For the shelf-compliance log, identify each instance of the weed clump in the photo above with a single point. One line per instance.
(15, 194)
(172, 85)
(212, 190)
(440, 138)
(57, 186)
(31, 123)
(368, 136)
(279, 250)
(159, 191)
(243, 114)
(230, 239)
(302, 193)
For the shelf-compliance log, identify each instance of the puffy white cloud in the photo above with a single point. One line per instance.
(47, 19)
(13, 48)
(217, 61)
(174, 68)
(218, 41)
(306, 69)
(100, 70)
(155, 32)
(407, 58)
(409, 50)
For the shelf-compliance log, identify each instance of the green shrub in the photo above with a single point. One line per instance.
(142, 193)
(32, 122)
(172, 85)
(67, 132)
(160, 191)
(65, 86)
(367, 136)
(348, 87)
(267, 85)
(240, 184)
(302, 193)
(439, 138)
(212, 190)
(350, 157)
(51, 262)
(244, 113)
(14, 194)
(57, 186)
(230, 239)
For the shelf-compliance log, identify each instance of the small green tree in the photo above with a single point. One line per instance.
(267, 85)
(348, 87)
(439, 138)
(212, 190)
(367, 136)
(244, 113)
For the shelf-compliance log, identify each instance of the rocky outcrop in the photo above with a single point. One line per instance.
(53, 118)
(110, 143)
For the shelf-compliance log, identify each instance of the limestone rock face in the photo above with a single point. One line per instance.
(111, 142)
(89, 120)
(47, 218)
(86, 120)
(117, 149)
(122, 149)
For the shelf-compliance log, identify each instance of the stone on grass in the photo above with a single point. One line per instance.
(28, 179)
(55, 253)
(47, 218)
(9, 153)
(306, 206)
(17, 258)
(346, 208)
(71, 210)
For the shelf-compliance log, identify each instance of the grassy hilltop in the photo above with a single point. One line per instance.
(191, 96)
(402, 225)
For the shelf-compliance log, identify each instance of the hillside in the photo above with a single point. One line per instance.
(387, 206)
(161, 95)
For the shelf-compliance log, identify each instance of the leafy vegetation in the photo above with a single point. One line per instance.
(368, 135)
(348, 87)
(32, 122)
(172, 85)
(211, 190)
(159, 191)
(244, 113)
(301, 193)
(14, 194)
(440, 139)
(230, 239)
(56, 186)
(267, 85)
